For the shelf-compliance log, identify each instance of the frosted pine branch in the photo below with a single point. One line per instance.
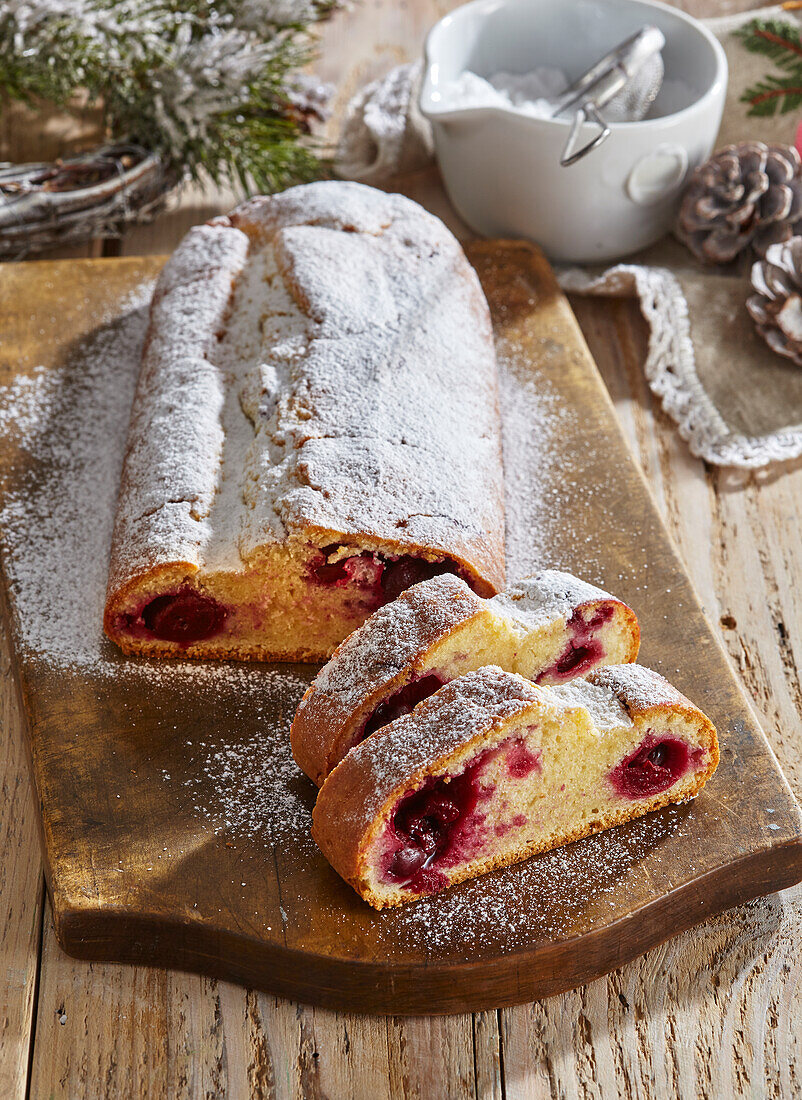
(212, 88)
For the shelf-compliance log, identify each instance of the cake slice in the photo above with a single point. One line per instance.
(549, 627)
(315, 429)
(492, 769)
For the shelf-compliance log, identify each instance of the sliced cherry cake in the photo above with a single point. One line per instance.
(550, 628)
(315, 429)
(492, 769)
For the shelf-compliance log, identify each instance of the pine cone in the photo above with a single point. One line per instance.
(776, 308)
(746, 194)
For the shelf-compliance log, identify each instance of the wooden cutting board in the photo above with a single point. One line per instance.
(175, 826)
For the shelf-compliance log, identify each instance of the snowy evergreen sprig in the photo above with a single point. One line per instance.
(212, 86)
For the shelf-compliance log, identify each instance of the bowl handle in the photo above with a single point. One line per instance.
(657, 174)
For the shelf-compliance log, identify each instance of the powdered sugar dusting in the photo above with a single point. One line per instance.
(558, 473)
(534, 417)
(28, 403)
(251, 788)
(637, 686)
(602, 703)
(68, 425)
(546, 596)
(175, 438)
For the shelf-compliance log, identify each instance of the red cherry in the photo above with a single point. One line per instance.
(401, 574)
(435, 823)
(652, 768)
(183, 617)
(583, 651)
(386, 578)
(578, 659)
(406, 862)
(402, 702)
(361, 570)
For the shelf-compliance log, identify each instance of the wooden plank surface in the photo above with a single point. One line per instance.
(739, 537)
(20, 887)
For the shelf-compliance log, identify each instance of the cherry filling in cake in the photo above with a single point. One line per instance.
(442, 824)
(401, 702)
(383, 579)
(362, 570)
(185, 616)
(654, 766)
(584, 649)
(521, 761)
(429, 824)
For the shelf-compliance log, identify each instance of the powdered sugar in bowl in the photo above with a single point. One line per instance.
(500, 158)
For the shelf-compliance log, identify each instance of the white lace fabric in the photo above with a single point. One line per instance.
(671, 371)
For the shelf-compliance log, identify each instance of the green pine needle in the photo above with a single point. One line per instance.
(779, 41)
(774, 95)
(774, 38)
(206, 84)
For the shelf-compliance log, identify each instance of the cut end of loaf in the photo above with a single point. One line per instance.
(288, 605)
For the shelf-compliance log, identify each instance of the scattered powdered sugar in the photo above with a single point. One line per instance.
(66, 429)
(557, 472)
(257, 790)
(64, 432)
(28, 402)
(534, 417)
(542, 897)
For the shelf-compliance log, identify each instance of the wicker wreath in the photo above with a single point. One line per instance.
(99, 194)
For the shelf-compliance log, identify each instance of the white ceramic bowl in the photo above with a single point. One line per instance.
(502, 169)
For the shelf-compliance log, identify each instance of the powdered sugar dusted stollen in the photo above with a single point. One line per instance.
(316, 427)
(493, 769)
(549, 627)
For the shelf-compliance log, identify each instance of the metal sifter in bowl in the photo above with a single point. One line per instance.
(624, 82)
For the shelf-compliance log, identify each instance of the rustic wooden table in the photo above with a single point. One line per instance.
(715, 1012)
